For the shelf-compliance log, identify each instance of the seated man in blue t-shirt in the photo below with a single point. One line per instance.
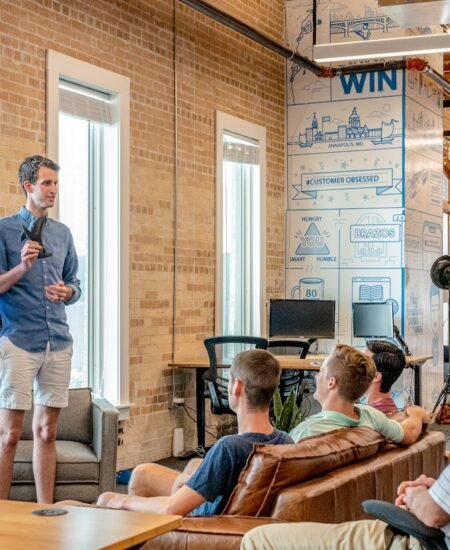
(254, 375)
(345, 377)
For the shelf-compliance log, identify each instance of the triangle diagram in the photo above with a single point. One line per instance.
(312, 243)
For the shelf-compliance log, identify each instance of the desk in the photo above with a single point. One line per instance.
(311, 362)
(81, 528)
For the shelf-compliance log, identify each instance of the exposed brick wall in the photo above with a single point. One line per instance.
(215, 70)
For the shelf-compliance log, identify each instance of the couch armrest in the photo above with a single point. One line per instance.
(104, 441)
(196, 533)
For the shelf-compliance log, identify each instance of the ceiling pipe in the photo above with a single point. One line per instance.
(319, 70)
(245, 30)
(438, 78)
(373, 67)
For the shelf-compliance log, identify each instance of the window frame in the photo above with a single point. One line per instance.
(60, 65)
(246, 129)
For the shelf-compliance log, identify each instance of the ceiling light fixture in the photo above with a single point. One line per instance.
(387, 47)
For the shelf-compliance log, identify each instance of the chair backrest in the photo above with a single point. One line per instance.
(288, 347)
(291, 379)
(75, 421)
(216, 378)
(230, 346)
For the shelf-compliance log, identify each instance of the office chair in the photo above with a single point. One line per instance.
(403, 522)
(216, 384)
(292, 378)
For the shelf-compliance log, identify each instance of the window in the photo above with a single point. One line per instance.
(240, 175)
(88, 114)
(445, 251)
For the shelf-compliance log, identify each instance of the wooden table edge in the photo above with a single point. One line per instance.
(141, 538)
(308, 361)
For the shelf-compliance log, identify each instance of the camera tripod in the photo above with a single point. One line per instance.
(442, 400)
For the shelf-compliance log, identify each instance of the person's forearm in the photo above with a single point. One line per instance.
(69, 293)
(10, 278)
(75, 291)
(155, 505)
(421, 504)
(412, 428)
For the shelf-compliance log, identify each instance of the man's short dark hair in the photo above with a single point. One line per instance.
(29, 168)
(389, 360)
(352, 369)
(260, 373)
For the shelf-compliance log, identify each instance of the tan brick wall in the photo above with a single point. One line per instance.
(215, 70)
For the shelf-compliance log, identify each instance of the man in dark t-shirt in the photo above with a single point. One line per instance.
(254, 375)
(219, 472)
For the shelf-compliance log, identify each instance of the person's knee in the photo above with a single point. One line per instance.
(192, 466)
(139, 477)
(104, 499)
(45, 432)
(252, 539)
(9, 438)
(151, 480)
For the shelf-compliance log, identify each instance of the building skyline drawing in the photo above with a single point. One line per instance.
(346, 132)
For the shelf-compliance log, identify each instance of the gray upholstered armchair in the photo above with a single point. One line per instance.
(86, 450)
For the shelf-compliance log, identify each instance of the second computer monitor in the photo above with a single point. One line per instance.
(302, 318)
(373, 320)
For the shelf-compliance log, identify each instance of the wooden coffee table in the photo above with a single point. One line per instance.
(80, 529)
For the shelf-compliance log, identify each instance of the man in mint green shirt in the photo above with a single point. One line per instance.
(344, 377)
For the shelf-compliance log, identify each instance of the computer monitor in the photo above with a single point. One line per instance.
(302, 318)
(373, 320)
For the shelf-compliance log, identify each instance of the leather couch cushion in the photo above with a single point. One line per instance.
(337, 496)
(75, 421)
(224, 532)
(75, 463)
(271, 468)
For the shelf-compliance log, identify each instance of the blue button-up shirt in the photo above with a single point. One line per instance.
(29, 319)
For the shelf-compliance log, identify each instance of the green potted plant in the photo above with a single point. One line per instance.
(287, 415)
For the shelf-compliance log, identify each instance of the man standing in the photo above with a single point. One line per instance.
(35, 343)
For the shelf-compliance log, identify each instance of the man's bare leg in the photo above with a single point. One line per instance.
(192, 466)
(188, 472)
(154, 480)
(11, 425)
(45, 422)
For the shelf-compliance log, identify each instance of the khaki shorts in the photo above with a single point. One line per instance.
(45, 373)
(351, 535)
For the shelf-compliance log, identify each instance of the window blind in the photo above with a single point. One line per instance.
(239, 149)
(84, 102)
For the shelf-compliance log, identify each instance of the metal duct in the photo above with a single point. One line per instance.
(304, 62)
(245, 30)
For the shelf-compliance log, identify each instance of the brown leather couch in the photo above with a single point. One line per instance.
(322, 478)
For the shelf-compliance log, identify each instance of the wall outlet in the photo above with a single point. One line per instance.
(178, 400)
